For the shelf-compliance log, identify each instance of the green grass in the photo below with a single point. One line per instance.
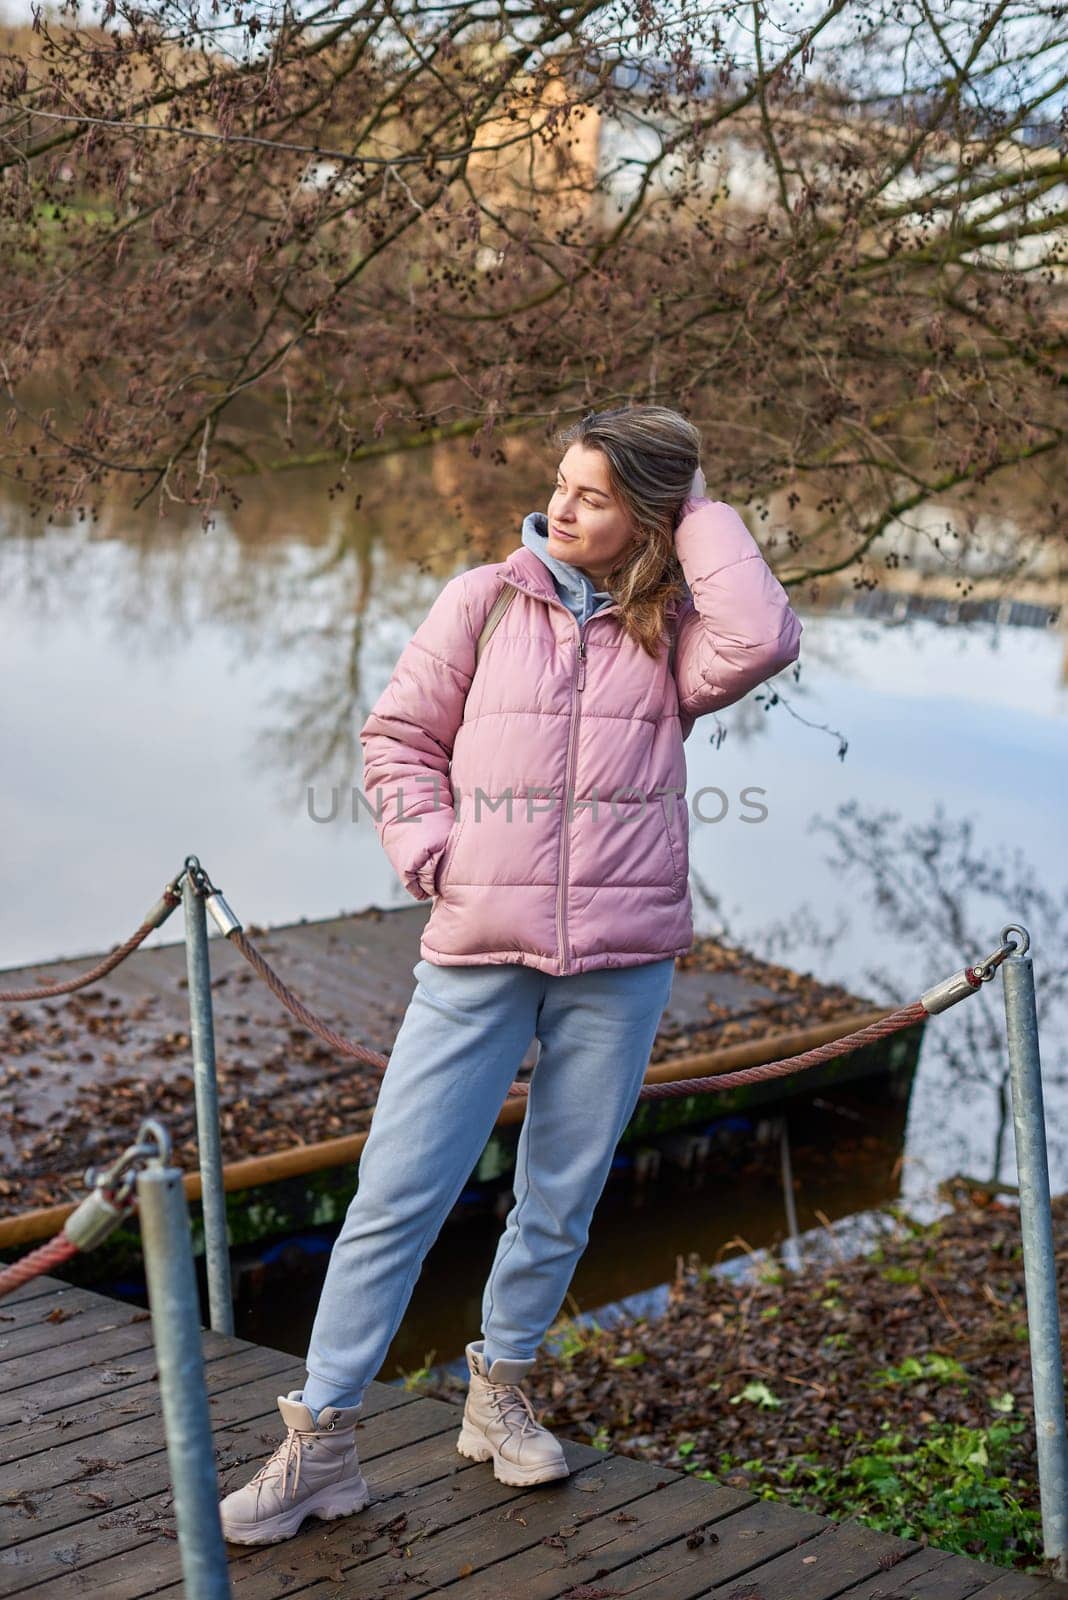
(951, 1488)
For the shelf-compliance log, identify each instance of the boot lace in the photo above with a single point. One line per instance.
(290, 1447)
(512, 1406)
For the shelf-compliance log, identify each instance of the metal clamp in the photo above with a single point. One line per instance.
(984, 970)
(112, 1195)
(221, 914)
(169, 901)
(969, 979)
(198, 876)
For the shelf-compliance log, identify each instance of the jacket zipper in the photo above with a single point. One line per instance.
(578, 683)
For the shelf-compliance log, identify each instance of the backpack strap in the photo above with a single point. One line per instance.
(497, 610)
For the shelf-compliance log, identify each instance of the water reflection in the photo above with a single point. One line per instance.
(931, 895)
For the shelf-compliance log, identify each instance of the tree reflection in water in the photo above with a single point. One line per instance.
(940, 901)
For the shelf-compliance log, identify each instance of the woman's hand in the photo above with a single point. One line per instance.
(698, 492)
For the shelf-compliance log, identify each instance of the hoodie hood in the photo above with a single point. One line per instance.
(575, 589)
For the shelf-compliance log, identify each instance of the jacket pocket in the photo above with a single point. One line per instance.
(675, 823)
(444, 866)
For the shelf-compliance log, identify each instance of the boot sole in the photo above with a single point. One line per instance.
(476, 1448)
(337, 1500)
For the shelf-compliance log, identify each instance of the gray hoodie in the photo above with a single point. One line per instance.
(572, 585)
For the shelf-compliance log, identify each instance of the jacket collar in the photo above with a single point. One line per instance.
(527, 571)
(572, 584)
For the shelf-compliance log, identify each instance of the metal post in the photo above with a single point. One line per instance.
(172, 1298)
(1040, 1272)
(209, 1141)
(792, 1252)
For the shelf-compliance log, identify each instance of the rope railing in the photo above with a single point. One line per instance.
(947, 993)
(111, 1197)
(194, 880)
(168, 902)
(297, 1008)
(944, 994)
(194, 887)
(904, 1017)
(963, 983)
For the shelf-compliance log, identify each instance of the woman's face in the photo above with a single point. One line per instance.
(587, 525)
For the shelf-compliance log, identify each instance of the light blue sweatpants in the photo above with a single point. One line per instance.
(457, 1051)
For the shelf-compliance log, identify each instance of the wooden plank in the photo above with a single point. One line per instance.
(23, 1372)
(22, 1441)
(587, 1550)
(98, 1379)
(17, 1313)
(432, 1532)
(312, 1552)
(93, 1382)
(142, 1568)
(842, 1553)
(685, 1568)
(63, 1484)
(72, 1552)
(930, 1574)
(34, 1289)
(947, 1578)
(87, 1504)
(1022, 1586)
(73, 1323)
(69, 1531)
(121, 1548)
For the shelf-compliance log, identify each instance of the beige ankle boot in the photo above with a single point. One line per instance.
(315, 1472)
(499, 1424)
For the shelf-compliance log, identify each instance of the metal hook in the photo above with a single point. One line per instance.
(984, 970)
(198, 876)
(152, 1129)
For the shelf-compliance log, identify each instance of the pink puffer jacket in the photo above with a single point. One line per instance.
(545, 810)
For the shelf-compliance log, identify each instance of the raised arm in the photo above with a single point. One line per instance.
(407, 740)
(741, 628)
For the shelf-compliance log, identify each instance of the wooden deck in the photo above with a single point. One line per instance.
(85, 1508)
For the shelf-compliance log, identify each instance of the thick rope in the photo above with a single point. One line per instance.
(108, 964)
(893, 1023)
(373, 1058)
(786, 1066)
(41, 1260)
(337, 1041)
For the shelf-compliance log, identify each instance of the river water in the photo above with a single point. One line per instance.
(170, 690)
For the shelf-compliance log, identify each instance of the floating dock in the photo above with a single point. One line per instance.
(78, 1073)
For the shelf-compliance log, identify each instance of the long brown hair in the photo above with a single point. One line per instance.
(652, 454)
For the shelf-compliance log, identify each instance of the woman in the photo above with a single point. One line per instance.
(540, 802)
